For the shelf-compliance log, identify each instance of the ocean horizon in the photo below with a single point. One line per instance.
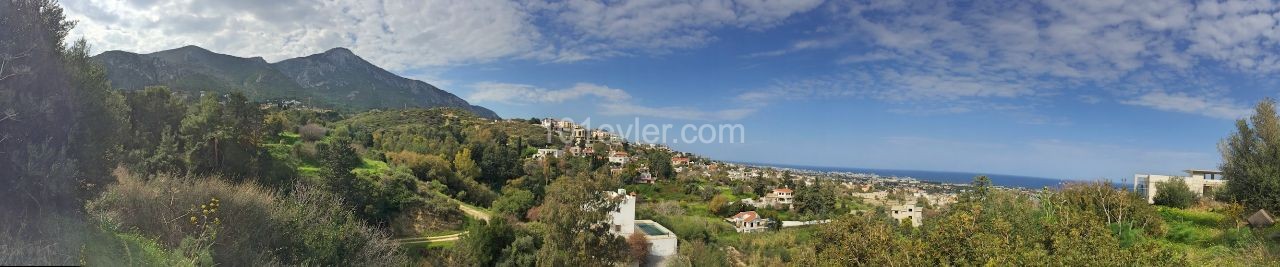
(951, 177)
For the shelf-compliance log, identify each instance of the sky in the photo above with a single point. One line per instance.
(1057, 89)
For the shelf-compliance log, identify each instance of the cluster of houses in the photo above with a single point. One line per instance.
(581, 143)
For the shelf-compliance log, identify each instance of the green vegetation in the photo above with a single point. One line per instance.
(1251, 158)
(1174, 193)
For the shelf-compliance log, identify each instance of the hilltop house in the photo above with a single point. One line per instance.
(748, 222)
(1199, 181)
(908, 212)
(663, 243)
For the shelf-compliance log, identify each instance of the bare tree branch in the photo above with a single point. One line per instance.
(4, 64)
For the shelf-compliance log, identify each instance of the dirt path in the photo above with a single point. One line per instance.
(468, 210)
(474, 212)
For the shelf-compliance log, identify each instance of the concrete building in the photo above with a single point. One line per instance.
(548, 152)
(748, 222)
(663, 243)
(780, 197)
(619, 158)
(908, 212)
(1199, 181)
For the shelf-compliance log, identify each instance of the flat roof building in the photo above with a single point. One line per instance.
(1199, 181)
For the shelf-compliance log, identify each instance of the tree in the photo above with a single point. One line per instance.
(1174, 193)
(572, 212)
(638, 247)
(818, 199)
(1251, 159)
(514, 202)
(717, 204)
(465, 166)
(484, 242)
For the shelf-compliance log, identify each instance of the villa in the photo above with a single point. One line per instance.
(779, 197)
(908, 212)
(748, 222)
(662, 242)
(1199, 181)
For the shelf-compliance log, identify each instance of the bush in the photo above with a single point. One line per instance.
(1174, 193)
(253, 226)
(312, 132)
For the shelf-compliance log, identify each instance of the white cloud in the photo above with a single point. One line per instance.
(681, 113)
(1185, 103)
(522, 93)
(402, 35)
(610, 101)
(938, 51)
(609, 28)
(397, 35)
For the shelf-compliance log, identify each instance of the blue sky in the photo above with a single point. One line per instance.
(1072, 90)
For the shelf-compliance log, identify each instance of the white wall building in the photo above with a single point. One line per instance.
(619, 158)
(748, 221)
(663, 243)
(1198, 181)
(548, 152)
(908, 212)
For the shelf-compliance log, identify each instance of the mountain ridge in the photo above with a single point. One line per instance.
(336, 77)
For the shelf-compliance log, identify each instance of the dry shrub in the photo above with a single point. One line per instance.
(312, 132)
(256, 227)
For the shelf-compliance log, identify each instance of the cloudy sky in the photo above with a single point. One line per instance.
(1061, 89)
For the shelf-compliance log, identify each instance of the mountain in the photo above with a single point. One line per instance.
(340, 75)
(336, 78)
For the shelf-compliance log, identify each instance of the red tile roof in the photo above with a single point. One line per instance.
(746, 216)
(782, 190)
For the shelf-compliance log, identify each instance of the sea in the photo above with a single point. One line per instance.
(936, 176)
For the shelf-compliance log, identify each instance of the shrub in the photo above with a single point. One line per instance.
(312, 132)
(254, 227)
(1174, 193)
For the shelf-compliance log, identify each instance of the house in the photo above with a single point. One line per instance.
(748, 222)
(619, 158)
(779, 197)
(575, 151)
(1199, 181)
(646, 178)
(663, 243)
(908, 212)
(548, 152)
(679, 161)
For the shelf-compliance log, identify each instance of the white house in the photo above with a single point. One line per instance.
(778, 197)
(663, 243)
(548, 152)
(619, 158)
(908, 212)
(748, 221)
(1199, 181)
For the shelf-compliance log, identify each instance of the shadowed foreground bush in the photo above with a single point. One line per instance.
(250, 226)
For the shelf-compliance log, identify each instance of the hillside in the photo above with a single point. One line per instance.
(336, 78)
